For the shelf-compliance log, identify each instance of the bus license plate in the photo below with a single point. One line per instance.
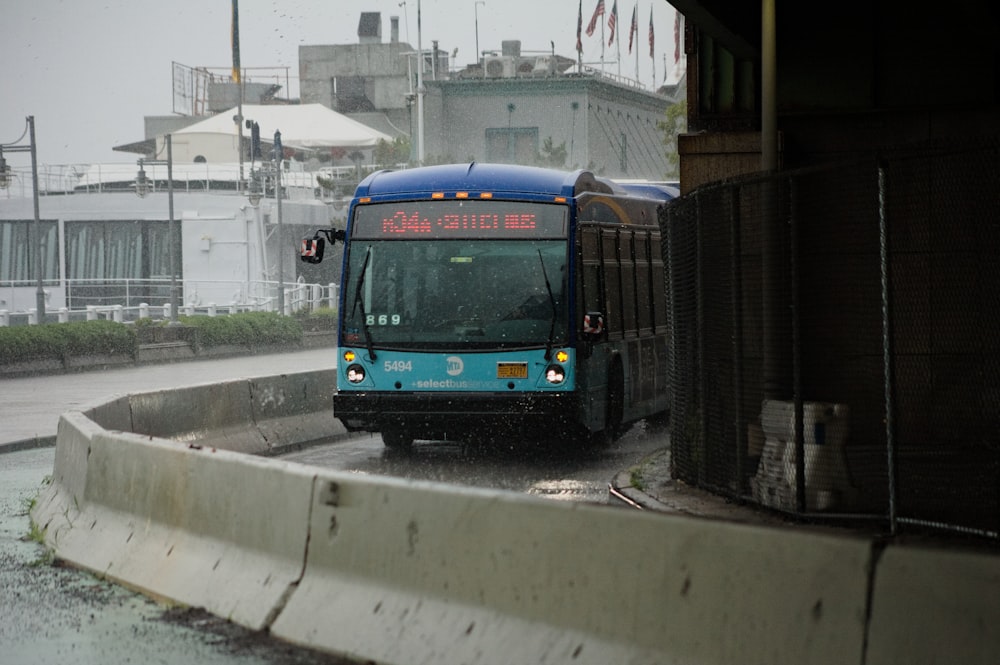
(512, 370)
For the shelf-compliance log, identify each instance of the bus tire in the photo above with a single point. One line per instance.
(397, 439)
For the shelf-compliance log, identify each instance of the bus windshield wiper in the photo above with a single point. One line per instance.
(555, 313)
(359, 304)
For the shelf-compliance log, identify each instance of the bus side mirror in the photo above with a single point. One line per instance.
(593, 324)
(312, 249)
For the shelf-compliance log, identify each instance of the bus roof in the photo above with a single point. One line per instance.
(506, 179)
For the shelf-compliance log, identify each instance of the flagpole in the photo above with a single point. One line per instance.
(579, 39)
(618, 41)
(602, 43)
(652, 53)
(618, 46)
(635, 29)
(420, 92)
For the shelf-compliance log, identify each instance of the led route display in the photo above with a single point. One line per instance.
(459, 219)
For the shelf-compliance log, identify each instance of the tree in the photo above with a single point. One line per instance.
(552, 155)
(675, 123)
(389, 153)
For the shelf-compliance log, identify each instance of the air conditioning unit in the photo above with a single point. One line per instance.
(499, 66)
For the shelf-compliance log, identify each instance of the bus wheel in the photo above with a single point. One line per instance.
(397, 439)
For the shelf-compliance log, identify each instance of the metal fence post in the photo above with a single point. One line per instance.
(736, 313)
(887, 351)
(800, 443)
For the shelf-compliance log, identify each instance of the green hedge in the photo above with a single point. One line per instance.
(246, 329)
(57, 340)
(321, 319)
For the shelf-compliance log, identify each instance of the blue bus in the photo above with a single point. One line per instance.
(488, 302)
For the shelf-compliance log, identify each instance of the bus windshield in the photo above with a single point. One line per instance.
(454, 294)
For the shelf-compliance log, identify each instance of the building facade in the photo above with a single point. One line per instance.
(510, 108)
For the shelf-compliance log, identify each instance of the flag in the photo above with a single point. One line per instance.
(651, 38)
(235, 38)
(598, 11)
(634, 27)
(613, 22)
(579, 28)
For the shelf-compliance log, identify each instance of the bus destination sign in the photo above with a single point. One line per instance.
(460, 219)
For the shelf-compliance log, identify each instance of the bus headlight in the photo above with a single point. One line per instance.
(355, 373)
(555, 374)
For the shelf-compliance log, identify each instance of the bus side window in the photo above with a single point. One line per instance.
(612, 283)
(659, 283)
(626, 259)
(590, 297)
(643, 284)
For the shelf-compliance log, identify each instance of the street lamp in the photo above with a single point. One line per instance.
(5, 178)
(278, 155)
(142, 187)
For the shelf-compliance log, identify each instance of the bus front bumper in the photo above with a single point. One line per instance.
(457, 415)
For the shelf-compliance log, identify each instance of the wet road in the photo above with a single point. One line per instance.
(551, 471)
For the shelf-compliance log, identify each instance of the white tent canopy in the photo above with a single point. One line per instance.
(303, 126)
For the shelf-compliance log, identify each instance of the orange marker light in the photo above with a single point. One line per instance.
(437, 195)
(486, 195)
(461, 195)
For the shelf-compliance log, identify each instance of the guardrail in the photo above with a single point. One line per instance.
(299, 296)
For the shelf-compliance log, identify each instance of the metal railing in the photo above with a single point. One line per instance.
(131, 299)
(65, 179)
(835, 339)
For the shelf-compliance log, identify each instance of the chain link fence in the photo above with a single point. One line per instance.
(836, 339)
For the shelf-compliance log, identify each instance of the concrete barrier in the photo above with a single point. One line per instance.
(400, 572)
(405, 572)
(217, 415)
(258, 416)
(935, 606)
(199, 526)
(294, 409)
(57, 507)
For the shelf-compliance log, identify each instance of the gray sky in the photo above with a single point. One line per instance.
(89, 70)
